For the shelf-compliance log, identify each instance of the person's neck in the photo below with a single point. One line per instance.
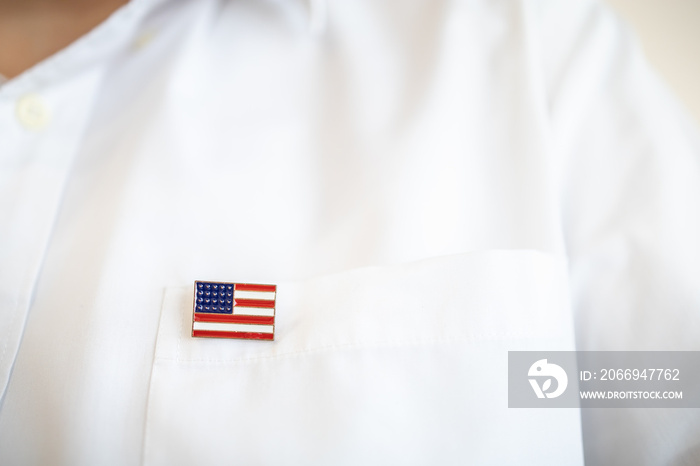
(33, 30)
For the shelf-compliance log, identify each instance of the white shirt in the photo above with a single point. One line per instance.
(429, 185)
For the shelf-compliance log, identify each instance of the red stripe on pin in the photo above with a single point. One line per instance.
(253, 303)
(252, 287)
(238, 335)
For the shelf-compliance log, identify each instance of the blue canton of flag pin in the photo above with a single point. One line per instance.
(234, 310)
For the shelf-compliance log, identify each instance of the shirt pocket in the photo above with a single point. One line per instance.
(402, 364)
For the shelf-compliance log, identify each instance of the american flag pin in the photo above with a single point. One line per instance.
(234, 310)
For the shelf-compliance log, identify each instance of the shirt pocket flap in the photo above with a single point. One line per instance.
(475, 296)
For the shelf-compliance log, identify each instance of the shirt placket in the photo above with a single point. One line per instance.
(41, 128)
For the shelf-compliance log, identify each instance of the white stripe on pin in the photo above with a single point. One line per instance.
(225, 327)
(262, 295)
(253, 311)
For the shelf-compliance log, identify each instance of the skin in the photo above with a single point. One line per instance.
(33, 30)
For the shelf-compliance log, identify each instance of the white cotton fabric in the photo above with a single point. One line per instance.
(430, 185)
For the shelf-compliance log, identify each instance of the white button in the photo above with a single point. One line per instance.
(143, 40)
(32, 112)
